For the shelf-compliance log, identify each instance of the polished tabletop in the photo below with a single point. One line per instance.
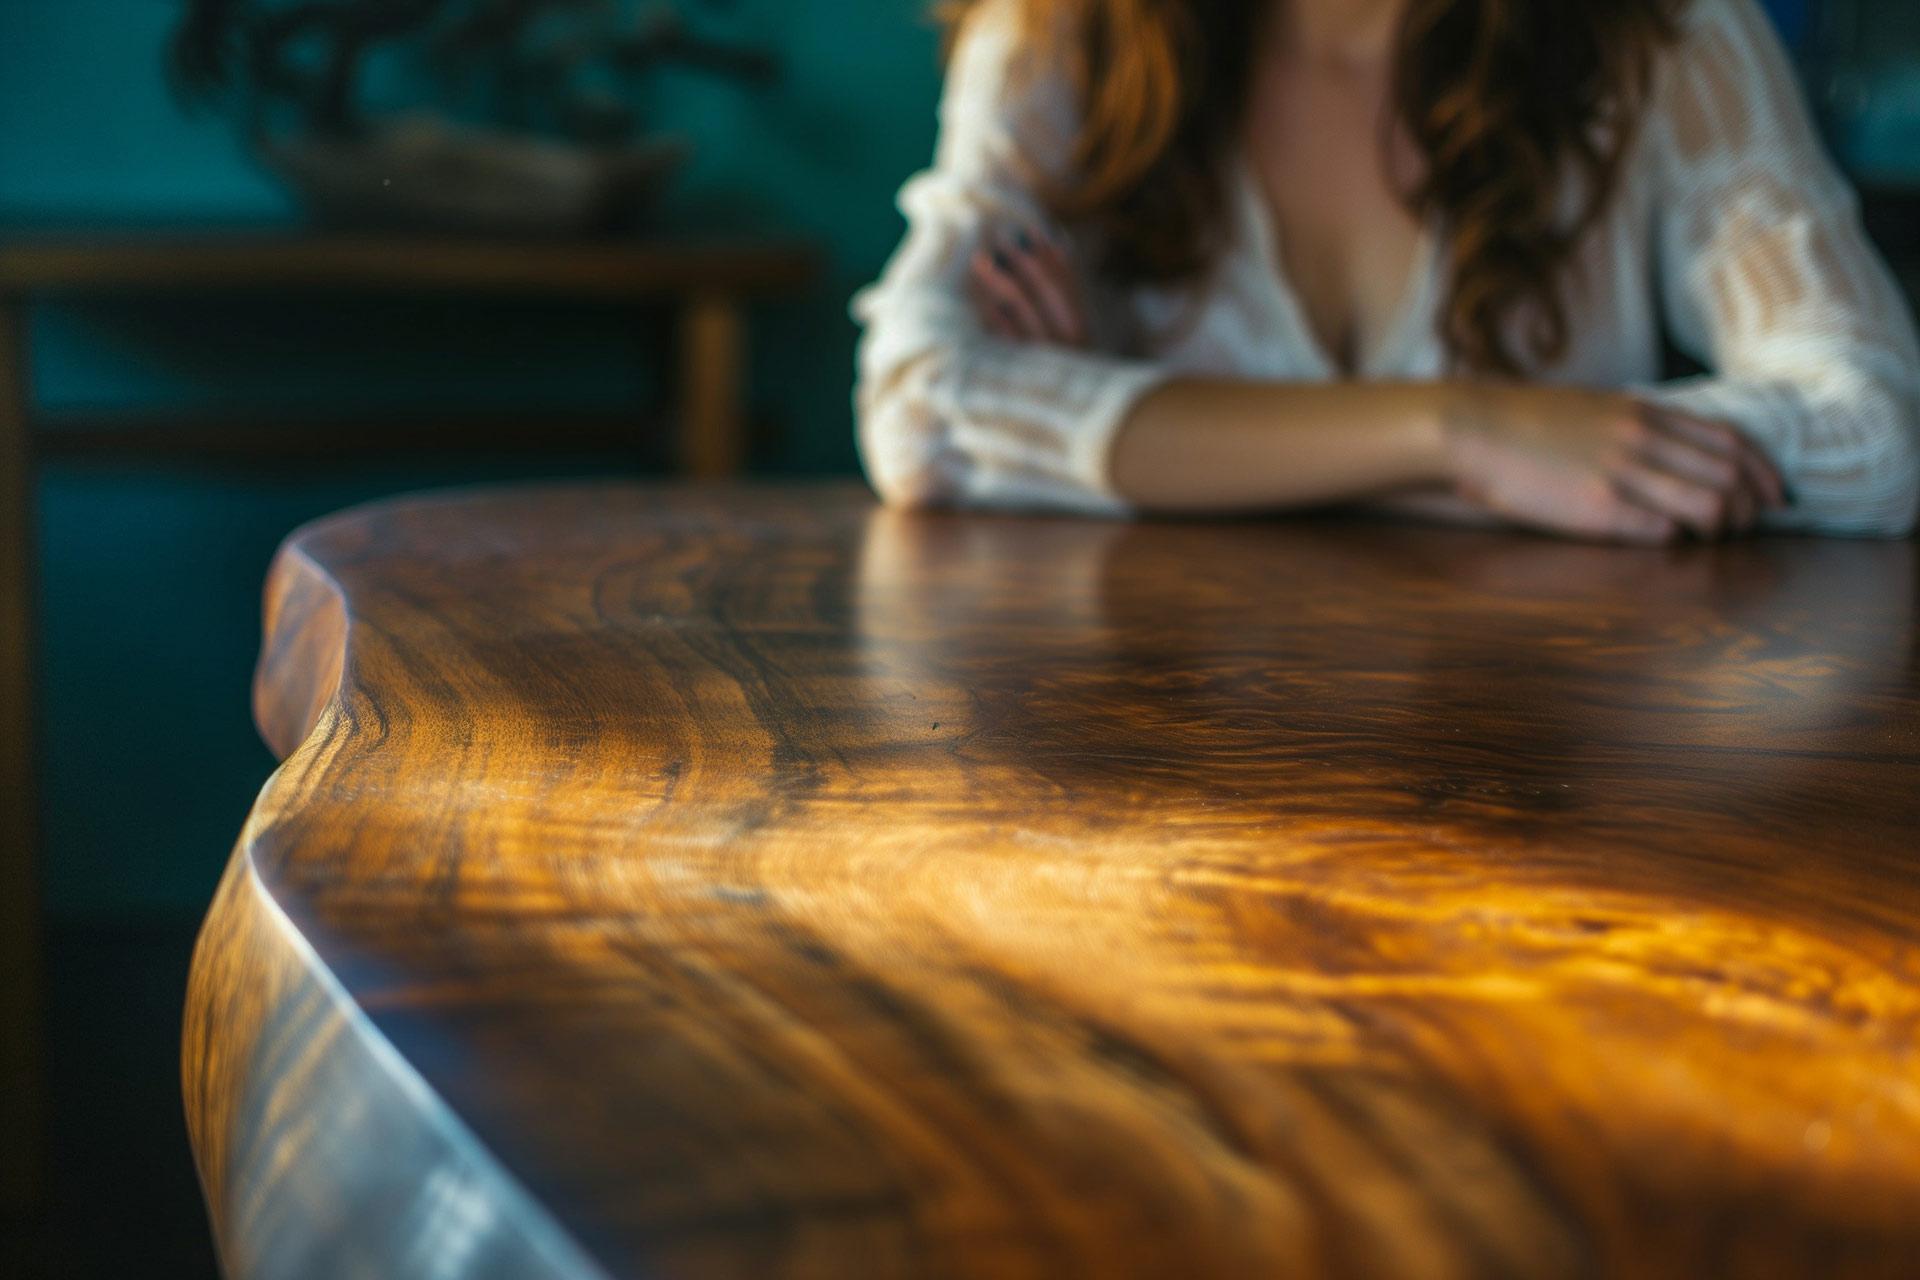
(756, 883)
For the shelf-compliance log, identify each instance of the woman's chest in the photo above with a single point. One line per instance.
(1325, 275)
(1331, 171)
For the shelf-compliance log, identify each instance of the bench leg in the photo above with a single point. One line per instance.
(712, 369)
(22, 1116)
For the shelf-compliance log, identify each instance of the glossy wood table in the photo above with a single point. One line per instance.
(754, 883)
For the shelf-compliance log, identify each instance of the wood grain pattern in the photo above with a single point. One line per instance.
(755, 883)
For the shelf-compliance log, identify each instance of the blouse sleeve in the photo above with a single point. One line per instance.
(949, 413)
(1769, 281)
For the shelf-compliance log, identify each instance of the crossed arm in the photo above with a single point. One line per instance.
(1584, 463)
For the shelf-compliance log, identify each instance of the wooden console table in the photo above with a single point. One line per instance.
(755, 883)
(708, 284)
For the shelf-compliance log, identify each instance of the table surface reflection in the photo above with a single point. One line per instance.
(752, 882)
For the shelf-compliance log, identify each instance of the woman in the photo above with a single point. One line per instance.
(1212, 255)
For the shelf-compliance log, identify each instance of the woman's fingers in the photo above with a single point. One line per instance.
(1004, 297)
(1026, 290)
(1705, 475)
(1744, 505)
(995, 316)
(1613, 515)
(1703, 510)
(997, 319)
(1680, 456)
(1763, 477)
(1048, 278)
(1726, 440)
(1708, 475)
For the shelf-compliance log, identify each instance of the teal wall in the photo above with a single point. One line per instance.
(151, 575)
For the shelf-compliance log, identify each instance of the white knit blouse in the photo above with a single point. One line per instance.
(1732, 231)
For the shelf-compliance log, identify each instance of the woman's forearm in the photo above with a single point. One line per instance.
(1592, 463)
(1203, 444)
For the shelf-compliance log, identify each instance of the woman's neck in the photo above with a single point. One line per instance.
(1351, 33)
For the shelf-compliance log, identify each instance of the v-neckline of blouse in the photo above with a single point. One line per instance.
(1387, 351)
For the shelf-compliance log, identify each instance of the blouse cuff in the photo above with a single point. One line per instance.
(1049, 409)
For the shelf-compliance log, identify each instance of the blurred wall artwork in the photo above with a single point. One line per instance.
(516, 116)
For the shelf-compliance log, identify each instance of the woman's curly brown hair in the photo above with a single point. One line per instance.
(1507, 102)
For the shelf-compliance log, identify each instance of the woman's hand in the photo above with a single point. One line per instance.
(1026, 289)
(1604, 465)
